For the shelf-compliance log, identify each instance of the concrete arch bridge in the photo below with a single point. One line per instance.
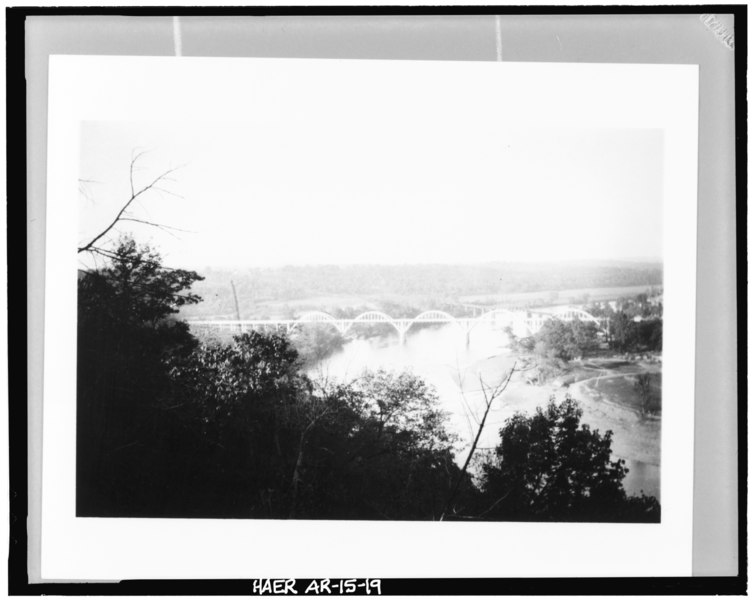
(523, 323)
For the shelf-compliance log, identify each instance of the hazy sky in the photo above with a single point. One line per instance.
(303, 187)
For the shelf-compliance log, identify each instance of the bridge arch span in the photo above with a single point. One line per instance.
(316, 316)
(433, 316)
(570, 313)
(375, 316)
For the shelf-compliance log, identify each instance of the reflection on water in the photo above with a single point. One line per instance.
(441, 356)
(436, 349)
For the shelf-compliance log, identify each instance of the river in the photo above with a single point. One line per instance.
(441, 356)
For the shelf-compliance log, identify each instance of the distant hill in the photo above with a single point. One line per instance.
(419, 285)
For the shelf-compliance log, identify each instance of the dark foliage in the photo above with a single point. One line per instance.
(169, 427)
(317, 342)
(635, 323)
(557, 343)
(382, 452)
(550, 467)
(560, 341)
(650, 399)
(125, 335)
(281, 448)
(564, 340)
(628, 335)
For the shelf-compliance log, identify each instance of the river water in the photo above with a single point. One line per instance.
(456, 369)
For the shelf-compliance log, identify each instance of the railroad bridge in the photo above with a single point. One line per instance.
(523, 323)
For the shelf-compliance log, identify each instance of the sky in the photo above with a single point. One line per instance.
(313, 185)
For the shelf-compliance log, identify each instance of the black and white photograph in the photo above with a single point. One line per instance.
(323, 293)
(288, 321)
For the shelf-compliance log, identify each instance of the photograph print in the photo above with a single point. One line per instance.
(369, 304)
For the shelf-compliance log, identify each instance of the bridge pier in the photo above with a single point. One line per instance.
(402, 327)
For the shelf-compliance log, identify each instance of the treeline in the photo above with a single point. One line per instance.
(170, 427)
(634, 326)
(438, 282)
(555, 345)
(558, 342)
(635, 323)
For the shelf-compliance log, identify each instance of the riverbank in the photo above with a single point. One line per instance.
(456, 370)
(605, 388)
(606, 406)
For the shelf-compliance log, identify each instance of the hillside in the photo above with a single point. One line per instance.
(274, 291)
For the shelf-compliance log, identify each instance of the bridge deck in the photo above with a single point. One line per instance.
(525, 322)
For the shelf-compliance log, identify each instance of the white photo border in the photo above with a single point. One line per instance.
(87, 88)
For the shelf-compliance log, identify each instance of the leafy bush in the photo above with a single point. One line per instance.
(170, 427)
(550, 467)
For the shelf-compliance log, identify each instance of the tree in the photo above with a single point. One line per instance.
(171, 427)
(629, 335)
(126, 332)
(550, 467)
(650, 403)
(648, 334)
(395, 459)
(317, 342)
(244, 406)
(124, 214)
(558, 342)
(135, 288)
(268, 442)
(555, 341)
(490, 394)
(586, 336)
(622, 332)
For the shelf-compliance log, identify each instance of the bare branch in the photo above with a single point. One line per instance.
(468, 411)
(134, 195)
(488, 398)
(159, 225)
(160, 189)
(488, 510)
(83, 188)
(133, 162)
(466, 407)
